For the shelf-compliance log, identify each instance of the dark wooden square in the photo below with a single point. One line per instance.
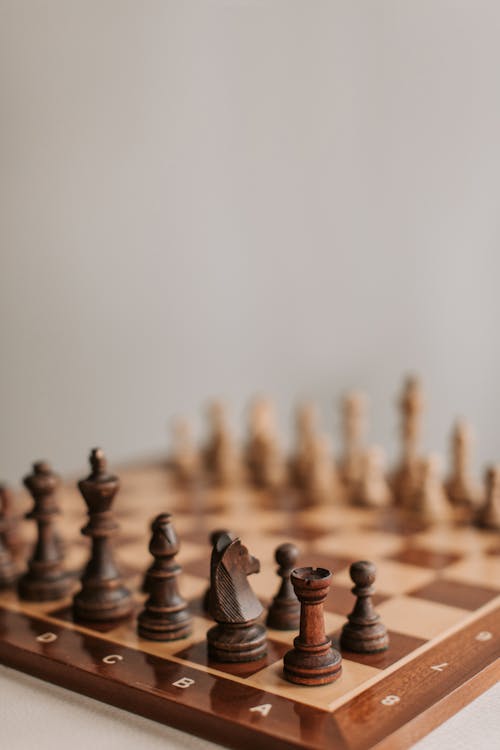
(197, 653)
(335, 563)
(425, 558)
(66, 615)
(455, 594)
(301, 532)
(341, 601)
(400, 645)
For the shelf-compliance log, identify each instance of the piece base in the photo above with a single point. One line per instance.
(161, 629)
(230, 643)
(116, 606)
(33, 590)
(312, 669)
(369, 639)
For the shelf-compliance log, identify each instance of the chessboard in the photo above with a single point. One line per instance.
(437, 592)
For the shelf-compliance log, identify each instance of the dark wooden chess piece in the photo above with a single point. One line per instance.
(364, 632)
(284, 612)
(165, 616)
(237, 637)
(102, 595)
(7, 567)
(10, 535)
(214, 538)
(313, 660)
(45, 578)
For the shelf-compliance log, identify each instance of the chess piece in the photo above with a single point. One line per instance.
(221, 455)
(353, 427)
(430, 502)
(364, 632)
(284, 612)
(406, 477)
(214, 538)
(184, 457)
(102, 596)
(488, 516)
(313, 660)
(373, 490)
(264, 460)
(306, 422)
(45, 578)
(9, 534)
(7, 567)
(237, 637)
(461, 488)
(165, 616)
(322, 482)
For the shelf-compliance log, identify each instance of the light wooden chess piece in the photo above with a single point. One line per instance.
(373, 490)
(221, 454)
(184, 457)
(430, 502)
(488, 516)
(306, 422)
(263, 455)
(353, 427)
(406, 477)
(462, 490)
(322, 482)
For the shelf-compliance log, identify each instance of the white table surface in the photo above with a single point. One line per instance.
(35, 714)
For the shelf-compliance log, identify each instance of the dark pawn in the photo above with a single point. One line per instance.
(145, 581)
(7, 568)
(46, 578)
(214, 538)
(284, 612)
(364, 633)
(102, 596)
(165, 616)
(9, 535)
(312, 661)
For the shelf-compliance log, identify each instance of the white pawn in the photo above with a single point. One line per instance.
(430, 501)
(184, 457)
(489, 515)
(306, 421)
(374, 490)
(322, 481)
(461, 487)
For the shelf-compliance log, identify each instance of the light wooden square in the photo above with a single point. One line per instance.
(353, 674)
(482, 571)
(126, 634)
(393, 577)
(359, 545)
(465, 540)
(419, 617)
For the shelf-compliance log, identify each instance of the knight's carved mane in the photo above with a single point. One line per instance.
(231, 598)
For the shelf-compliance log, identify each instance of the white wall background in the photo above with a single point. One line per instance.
(218, 197)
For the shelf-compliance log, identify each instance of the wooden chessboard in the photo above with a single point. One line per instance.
(438, 592)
